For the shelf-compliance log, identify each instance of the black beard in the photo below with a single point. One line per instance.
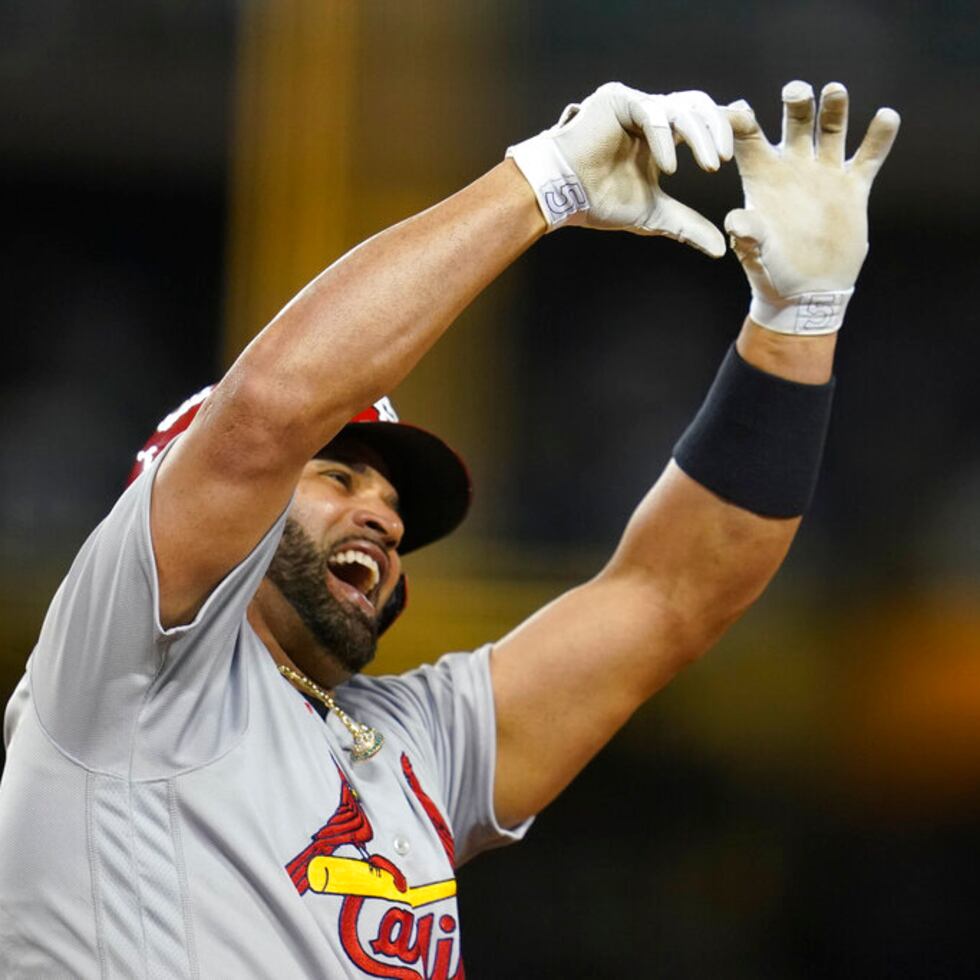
(300, 572)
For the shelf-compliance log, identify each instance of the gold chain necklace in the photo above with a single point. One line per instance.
(367, 740)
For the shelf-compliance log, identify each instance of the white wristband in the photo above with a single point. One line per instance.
(808, 314)
(559, 192)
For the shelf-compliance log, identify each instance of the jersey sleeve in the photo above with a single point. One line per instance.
(114, 689)
(447, 710)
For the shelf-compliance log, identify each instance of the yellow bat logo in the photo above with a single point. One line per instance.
(350, 876)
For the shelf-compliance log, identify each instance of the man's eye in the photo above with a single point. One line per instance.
(341, 476)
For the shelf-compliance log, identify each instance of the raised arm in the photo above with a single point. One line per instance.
(708, 537)
(346, 339)
(354, 332)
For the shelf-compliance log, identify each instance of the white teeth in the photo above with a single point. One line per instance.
(352, 557)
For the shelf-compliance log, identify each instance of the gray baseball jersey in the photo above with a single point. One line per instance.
(172, 807)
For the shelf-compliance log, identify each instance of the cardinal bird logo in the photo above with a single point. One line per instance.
(370, 875)
(423, 944)
(348, 825)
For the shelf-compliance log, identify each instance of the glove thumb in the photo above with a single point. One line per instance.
(684, 224)
(568, 114)
(747, 229)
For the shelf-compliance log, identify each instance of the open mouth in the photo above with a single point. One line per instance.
(357, 569)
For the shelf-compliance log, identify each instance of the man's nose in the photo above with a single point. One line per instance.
(382, 519)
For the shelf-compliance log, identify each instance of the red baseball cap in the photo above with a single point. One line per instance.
(432, 480)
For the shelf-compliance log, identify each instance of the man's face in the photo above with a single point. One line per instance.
(337, 563)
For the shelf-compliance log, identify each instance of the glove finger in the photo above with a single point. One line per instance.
(750, 142)
(692, 129)
(798, 118)
(832, 123)
(649, 115)
(716, 121)
(877, 143)
(684, 224)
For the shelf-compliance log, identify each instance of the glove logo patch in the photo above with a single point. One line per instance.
(820, 312)
(564, 197)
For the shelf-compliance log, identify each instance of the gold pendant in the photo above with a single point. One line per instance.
(367, 740)
(367, 743)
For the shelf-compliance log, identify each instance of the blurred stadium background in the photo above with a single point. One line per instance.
(806, 801)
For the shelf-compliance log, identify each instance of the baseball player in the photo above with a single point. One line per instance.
(200, 782)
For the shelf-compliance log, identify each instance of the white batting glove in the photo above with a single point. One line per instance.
(600, 165)
(803, 233)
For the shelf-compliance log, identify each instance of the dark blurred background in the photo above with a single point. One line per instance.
(805, 802)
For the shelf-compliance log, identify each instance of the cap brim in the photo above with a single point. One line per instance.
(432, 481)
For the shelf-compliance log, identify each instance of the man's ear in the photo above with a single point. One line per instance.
(395, 605)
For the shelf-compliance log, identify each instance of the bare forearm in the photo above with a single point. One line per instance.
(357, 329)
(701, 558)
(807, 360)
(705, 557)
